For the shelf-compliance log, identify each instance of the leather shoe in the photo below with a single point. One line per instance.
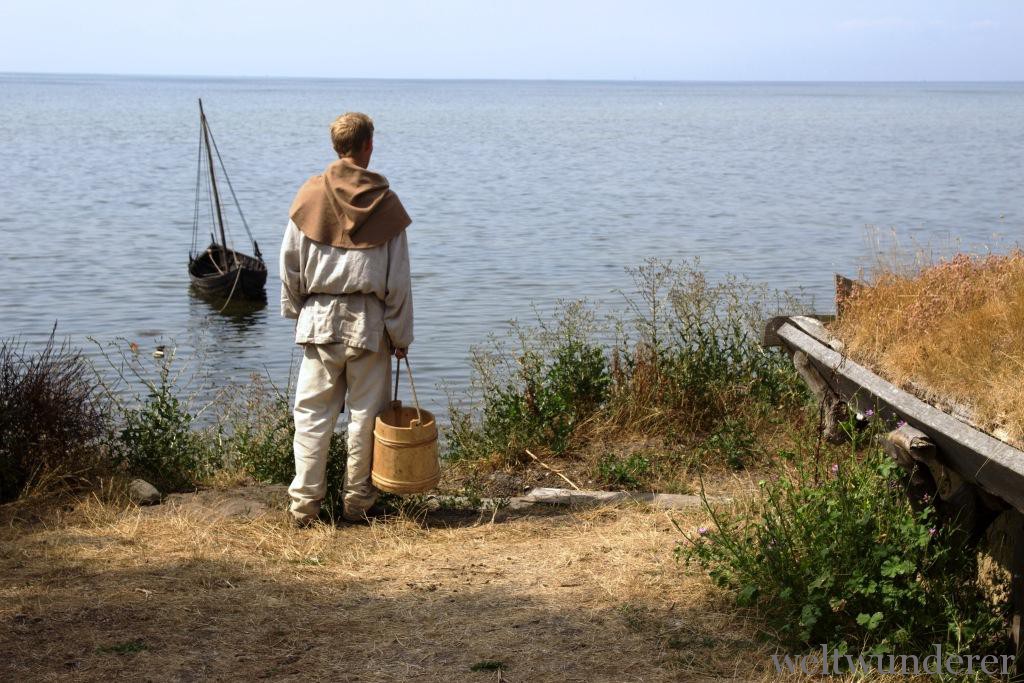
(364, 516)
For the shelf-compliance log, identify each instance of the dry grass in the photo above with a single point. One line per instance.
(677, 465)
(950, 332)
(105, 592)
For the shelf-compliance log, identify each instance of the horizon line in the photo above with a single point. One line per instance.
(497, 79)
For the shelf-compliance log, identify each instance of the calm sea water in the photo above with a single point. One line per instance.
(521, 193)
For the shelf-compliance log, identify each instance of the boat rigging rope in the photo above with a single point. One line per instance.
(195, 212)
(231, 187)
(213, 214)
(213, 220)
(238, 274)
(201, 165)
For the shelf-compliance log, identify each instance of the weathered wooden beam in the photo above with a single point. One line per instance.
(576, 497)
(833, 409)
(770, 337)
(957, 500)
(844, 289)
(977, 457)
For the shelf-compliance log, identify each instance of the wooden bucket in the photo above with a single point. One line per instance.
(405, 448)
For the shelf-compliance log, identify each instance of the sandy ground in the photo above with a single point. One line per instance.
(182, 593)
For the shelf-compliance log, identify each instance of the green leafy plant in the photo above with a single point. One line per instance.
(691, 354)
(683, 364)
(257, 434)
(836, 554)
(731, 442)
(549, 401)
(627, 473)
(536, 396)
(158, 442)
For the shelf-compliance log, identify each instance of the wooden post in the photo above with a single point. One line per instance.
(922, 483)
(833, 409)
(1001, 570)
(844, 288)
(957, 501)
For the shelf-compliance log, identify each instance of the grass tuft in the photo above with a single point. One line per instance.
(488, 665)
(679, 369)
(129, 647)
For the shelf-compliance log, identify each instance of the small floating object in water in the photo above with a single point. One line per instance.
(160, 351)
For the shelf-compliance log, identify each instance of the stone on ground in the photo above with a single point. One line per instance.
(141, 492)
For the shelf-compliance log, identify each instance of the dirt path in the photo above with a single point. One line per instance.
(177, 595)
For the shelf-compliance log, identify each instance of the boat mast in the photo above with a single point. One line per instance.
(213, 183)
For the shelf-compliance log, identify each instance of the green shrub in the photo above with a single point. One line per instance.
(257, 434)
(627, 473)
(54, 422)
(684, 363)
(835, 554)
(691, 352)
(158, 442)
(731, 442)
(537, 395)
(256, 438)
(548, 400)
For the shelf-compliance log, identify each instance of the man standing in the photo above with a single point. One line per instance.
(345, 279)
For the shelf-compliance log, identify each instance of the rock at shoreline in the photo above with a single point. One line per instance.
(141, 492)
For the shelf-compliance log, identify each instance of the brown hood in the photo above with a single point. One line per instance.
(348, 206)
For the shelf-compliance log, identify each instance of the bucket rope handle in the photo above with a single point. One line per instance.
(412, 384)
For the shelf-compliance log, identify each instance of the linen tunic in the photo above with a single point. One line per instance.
(348, 296)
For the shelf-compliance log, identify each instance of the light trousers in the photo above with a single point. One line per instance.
(331, 376)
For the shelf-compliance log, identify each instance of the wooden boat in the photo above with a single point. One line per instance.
(219, 270)
(246, 275)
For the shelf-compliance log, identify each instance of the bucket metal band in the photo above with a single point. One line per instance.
(396, 486)
(403, 444)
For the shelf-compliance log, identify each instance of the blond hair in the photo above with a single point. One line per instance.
(350, 132)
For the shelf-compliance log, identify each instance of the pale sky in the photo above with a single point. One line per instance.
(912, 40)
